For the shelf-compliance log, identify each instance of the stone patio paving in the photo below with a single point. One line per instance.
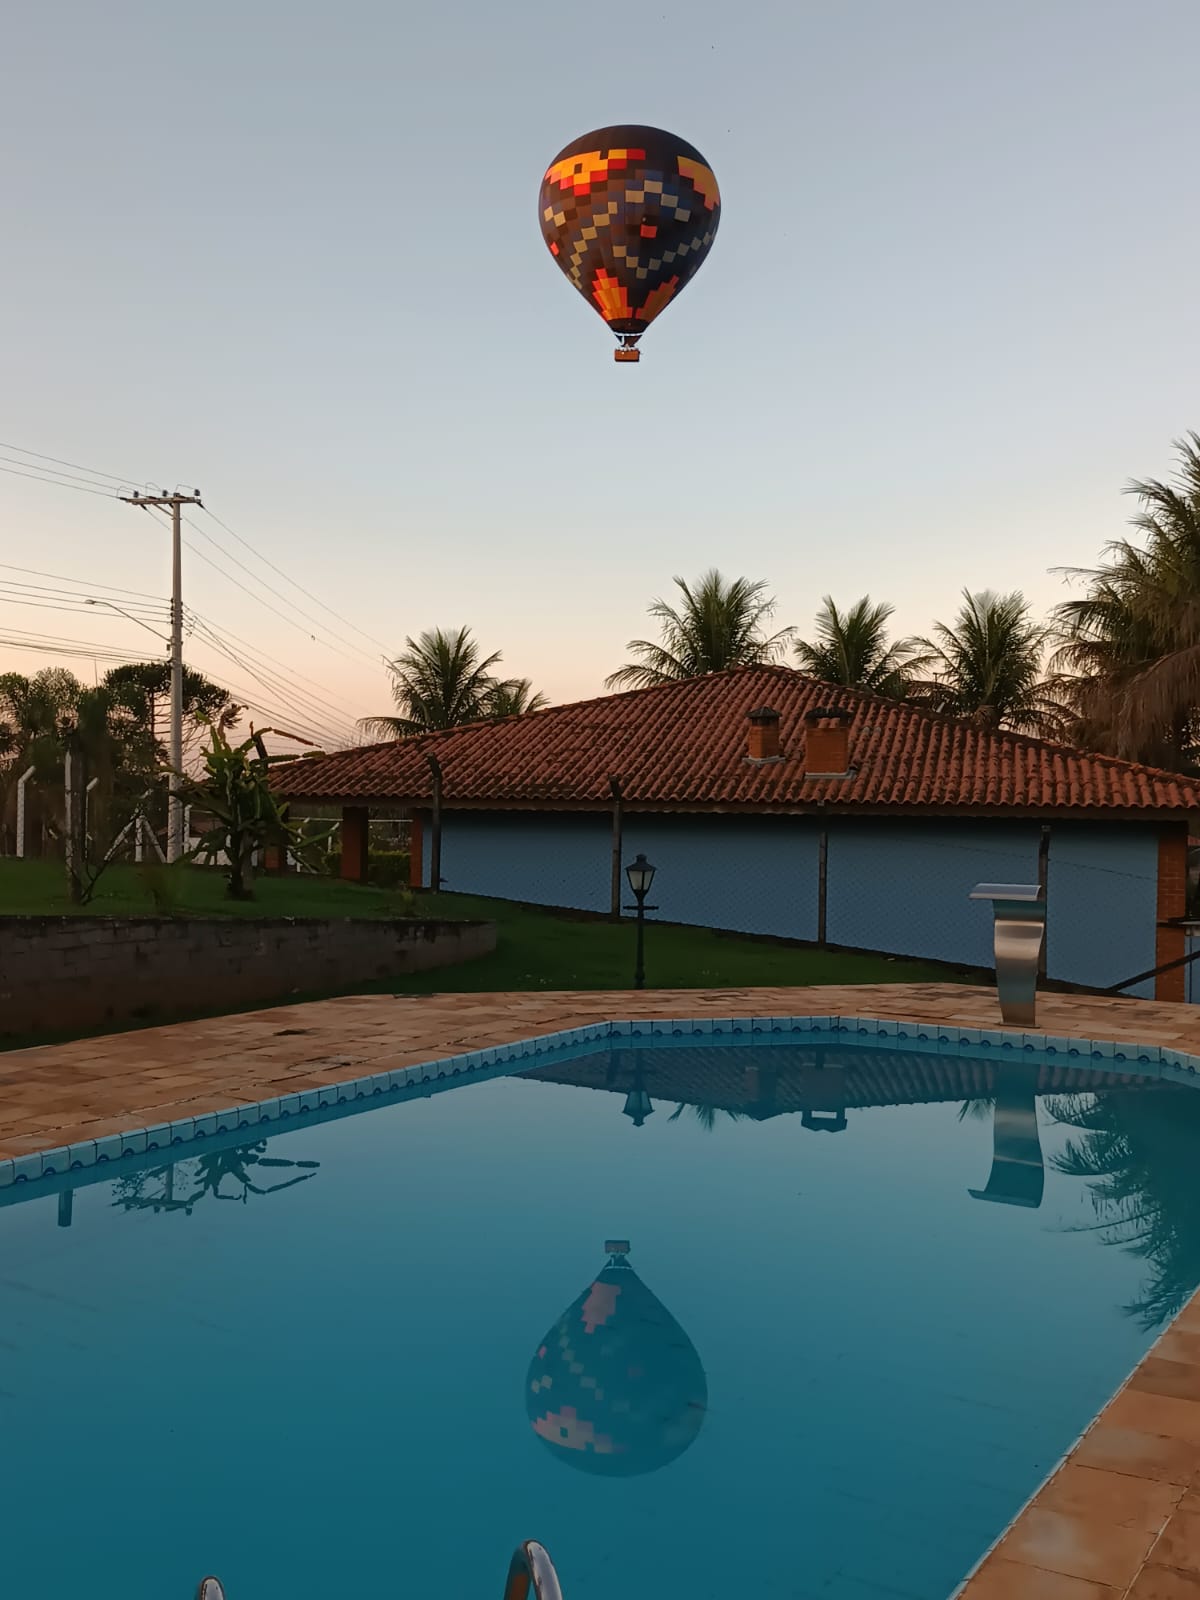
(1121, 1517)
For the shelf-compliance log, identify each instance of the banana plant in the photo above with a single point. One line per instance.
(246, 814)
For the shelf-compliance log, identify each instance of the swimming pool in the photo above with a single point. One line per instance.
(829, 1363)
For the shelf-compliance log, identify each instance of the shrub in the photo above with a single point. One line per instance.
(388, 869)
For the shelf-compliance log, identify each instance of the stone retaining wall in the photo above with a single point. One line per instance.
(81, 972)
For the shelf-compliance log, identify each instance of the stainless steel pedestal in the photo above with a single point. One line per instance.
(1020, 926)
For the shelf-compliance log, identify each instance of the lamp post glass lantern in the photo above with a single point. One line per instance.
(641, 875)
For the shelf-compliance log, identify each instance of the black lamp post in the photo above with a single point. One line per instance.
(638, 1104)
(641, 875)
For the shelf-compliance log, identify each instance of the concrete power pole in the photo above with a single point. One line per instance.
(173, 502)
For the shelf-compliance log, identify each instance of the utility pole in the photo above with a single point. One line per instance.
(173, 502)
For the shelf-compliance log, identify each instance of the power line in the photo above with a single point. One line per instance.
(109, 494)
(92, 472)
(271, 589)
(300, 703)
(269, 563)
(51, 644)
(46, 605)
(263, 655)
(94, 483)
(229, 578)
(34, 592)
(113, 588)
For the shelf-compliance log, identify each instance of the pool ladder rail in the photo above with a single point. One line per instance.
(530, 1570)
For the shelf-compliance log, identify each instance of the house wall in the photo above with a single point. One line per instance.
(1102, 894)
(900, 887)
(904, 887)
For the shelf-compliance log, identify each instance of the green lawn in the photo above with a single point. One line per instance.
(537, 949)
(39, 888)
(542, 950)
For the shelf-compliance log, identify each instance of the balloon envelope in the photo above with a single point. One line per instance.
(629, 213)
(616, 1387)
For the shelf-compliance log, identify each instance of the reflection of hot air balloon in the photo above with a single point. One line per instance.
(616, 1387)
(629, 214)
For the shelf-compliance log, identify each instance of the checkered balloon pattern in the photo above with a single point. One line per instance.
(616, 1387)
(629, 214)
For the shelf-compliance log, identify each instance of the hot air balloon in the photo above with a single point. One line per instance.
(616, 1387)
(629, 213)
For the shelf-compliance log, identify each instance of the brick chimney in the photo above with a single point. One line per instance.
(764, 735)
(826, 742)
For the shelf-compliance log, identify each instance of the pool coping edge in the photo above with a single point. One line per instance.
(1133, 1060)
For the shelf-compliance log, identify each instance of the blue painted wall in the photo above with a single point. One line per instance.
(549, 859)
(900, 887)
(903, 887)
(1103, 904)
(745, 874)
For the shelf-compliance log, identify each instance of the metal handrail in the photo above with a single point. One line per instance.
(532, 1567)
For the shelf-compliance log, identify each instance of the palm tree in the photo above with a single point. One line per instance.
(1136, 1150)
(851, 648)
(440, 681)
(1129, 649)
(718, 625)
(987, 664)
(514, 697)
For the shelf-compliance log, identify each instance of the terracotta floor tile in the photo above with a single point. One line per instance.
(1114, 1497)
(1177, 1344)
(1179, 1545)
(1162, 1583)
(1080, 1547)
(1160, 1375)
(1012, 1580)
(1156, 1413)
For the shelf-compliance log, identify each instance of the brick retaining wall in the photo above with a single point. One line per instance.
(81, 972)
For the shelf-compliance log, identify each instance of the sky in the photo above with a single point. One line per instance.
(291, 255)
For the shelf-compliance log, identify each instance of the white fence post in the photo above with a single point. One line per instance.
(22, 783)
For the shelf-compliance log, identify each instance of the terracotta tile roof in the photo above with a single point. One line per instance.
(684, 746)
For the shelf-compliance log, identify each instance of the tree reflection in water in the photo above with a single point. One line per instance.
(1138, 1154)
(183, 1184)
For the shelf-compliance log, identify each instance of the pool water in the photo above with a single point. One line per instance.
(868, 1301)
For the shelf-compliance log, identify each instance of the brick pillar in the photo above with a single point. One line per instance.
(416, 851)
(355, 833)
(1170, 943)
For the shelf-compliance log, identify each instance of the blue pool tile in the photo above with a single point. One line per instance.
(309, 1100)
(268, 1110)
(54, 1162)
(159, 1134)
(205, 1125)
(183, 1130)
(622, 1030)
(133, 1143)
(108, 1148)
(82, 1154)
(327, 1096)
(26, 1168)
(8, 1172)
